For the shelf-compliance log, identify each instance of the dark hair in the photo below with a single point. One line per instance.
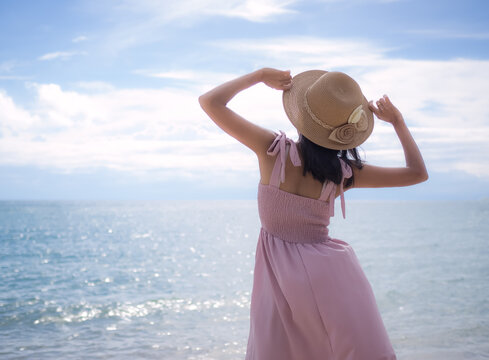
(324, 164)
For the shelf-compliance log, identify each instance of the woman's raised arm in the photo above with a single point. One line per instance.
(415, 170)
(214, 103)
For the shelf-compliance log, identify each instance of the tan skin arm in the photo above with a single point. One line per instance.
(214, 103)
(414, 172)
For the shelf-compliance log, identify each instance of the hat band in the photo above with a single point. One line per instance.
(313, 116)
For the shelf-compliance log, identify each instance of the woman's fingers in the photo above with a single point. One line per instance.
(380, 108)
(287, 84)
(281, 85)
(383, 103)
(372, 106)
(384, 110)
(387, 100)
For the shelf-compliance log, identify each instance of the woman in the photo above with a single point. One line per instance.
(311, 299)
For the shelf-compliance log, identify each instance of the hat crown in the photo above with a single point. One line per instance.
(329, 109)
(333, 97)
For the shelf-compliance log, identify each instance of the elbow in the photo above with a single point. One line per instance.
(426, 176)
(422, 176)
(415, 176)
(207, 102)
(203, 101)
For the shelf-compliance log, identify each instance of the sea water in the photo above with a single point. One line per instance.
(172, 280)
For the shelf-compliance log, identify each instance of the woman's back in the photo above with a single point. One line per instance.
(288, 213)
(295, 181)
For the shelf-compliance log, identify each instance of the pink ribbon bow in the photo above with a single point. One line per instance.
(280, 143)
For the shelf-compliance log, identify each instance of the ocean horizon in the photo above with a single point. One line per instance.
(172, 279)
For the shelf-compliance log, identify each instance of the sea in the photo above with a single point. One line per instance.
(172, 279)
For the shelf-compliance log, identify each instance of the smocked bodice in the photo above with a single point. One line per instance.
(292, 217)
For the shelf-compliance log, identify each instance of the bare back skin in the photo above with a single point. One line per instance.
(295, 182)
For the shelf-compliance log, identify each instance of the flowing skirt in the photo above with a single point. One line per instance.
(312, 301)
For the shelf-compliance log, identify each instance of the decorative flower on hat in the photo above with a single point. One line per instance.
(359, 118)
(357, 122)
(343, 134)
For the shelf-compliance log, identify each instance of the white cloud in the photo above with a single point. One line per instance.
(197, 79)
(79, 39)
(251, 10)
(305, 52)
(14, 118)
(177, 75)
(164, 130)
(63, 55)
(431, 93)
(95, 86)
(473, 168)
(147, 21)
(6, 71)
(13, 77)
(450, 34)
(7, 66)
(254, 10)
(360, 1)
(444, 101)
(144, 130)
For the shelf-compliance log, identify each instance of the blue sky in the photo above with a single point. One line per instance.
(98, 99)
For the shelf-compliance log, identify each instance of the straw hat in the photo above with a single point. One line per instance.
(329, 109)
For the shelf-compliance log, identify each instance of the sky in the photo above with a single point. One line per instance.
(98, 98)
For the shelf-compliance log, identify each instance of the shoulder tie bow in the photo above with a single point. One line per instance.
(279, 144)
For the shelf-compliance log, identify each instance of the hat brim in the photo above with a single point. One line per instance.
(293, 101)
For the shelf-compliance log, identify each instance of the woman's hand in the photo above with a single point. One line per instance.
(385, 110)
(414, 172)
(276, 79)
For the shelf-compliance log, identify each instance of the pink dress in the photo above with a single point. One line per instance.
(310, 299)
